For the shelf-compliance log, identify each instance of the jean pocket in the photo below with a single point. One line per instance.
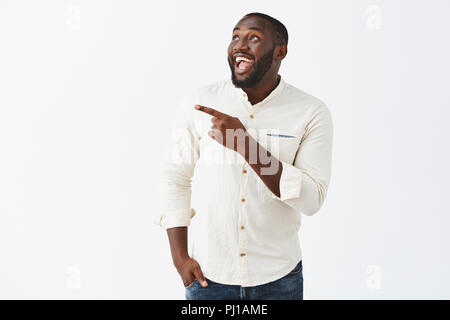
(190, 285)
(298, 268)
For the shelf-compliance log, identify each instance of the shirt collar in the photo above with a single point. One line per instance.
(275, 92)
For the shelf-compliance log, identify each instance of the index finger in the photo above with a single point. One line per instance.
(211, 111)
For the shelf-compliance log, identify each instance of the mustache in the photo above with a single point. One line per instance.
(260, 68)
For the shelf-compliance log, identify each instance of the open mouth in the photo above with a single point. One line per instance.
(243, 64)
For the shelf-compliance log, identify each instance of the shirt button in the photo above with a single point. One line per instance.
(243, 199)
(244, 171)
(242, 227)
(242, 254)
(252, 116)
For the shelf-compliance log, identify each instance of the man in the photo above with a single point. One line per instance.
(262, 149)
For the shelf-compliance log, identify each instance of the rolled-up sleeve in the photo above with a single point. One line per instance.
(182, 154)
(304, 184)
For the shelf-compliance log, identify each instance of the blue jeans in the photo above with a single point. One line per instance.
(289, 287)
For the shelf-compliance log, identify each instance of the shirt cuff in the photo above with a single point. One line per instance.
(290, 182)
(177, 218)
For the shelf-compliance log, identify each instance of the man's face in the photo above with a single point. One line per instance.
(250, 53)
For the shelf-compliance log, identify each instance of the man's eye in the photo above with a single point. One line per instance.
(254, 37)
(234, 38)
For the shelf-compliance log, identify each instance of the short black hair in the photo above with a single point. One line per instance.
(279, 30)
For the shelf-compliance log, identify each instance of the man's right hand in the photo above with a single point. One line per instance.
(189, 270)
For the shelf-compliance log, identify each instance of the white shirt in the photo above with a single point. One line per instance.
(243, 234)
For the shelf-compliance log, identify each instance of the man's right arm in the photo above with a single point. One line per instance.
(188, 268)
(183, 153)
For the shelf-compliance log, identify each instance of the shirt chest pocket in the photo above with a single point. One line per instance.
(282, 146)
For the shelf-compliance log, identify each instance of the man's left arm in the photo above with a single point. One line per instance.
(302, 185)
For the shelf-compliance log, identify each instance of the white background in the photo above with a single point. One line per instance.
(87, 93)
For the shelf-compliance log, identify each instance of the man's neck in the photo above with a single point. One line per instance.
(259, 92)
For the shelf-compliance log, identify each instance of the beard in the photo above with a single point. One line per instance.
(259, 69)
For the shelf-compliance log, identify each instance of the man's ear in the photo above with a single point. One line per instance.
(281, 51)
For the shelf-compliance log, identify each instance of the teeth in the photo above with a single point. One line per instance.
(238, 59)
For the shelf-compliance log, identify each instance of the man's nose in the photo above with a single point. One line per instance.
(241, 45)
